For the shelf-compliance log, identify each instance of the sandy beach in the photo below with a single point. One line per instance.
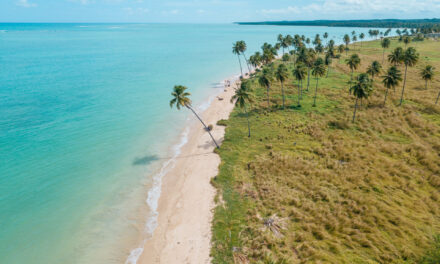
(183, 233)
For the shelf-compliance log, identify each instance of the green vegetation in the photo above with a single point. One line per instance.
(309, 186)
(432, 24)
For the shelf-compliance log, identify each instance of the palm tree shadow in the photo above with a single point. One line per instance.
(146, 160)
(209, 144)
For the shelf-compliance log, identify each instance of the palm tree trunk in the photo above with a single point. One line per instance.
(282, 91)
(383, 56)
(247, 63)
(308, 78)
(316, 92)
(355, 108)
(268, 100)
(299, 93)
(239, 61)
(403, 88)
(328, 70)
(386, 94)
(249, 125)
(438, 96)
(426, 84)
(203, 123)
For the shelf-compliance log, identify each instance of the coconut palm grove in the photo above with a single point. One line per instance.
(332, 154)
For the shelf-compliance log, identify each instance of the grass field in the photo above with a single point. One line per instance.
(310, 186)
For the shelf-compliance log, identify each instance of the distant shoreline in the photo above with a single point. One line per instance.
(373, 23)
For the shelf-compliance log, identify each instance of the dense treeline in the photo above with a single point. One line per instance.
(378, 23)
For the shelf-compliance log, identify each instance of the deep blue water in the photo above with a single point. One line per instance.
(85, 123)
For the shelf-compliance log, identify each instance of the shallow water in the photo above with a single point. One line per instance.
(85, 126)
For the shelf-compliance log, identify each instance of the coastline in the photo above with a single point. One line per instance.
(183, 228)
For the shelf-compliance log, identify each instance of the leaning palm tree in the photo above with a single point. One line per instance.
(265, 80)
(396, 56)
(300, 74)
(243, 48)
(427, 74)
(241, 97)
(390, 80)
(318, 70)
(385, 43)
(181, 99)
(236, 49)
(374, 69)
(281, 75)
(410, 58)
(361, 88)
(353, 62)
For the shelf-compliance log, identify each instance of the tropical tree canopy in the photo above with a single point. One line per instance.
(374, 69)
(180, 97)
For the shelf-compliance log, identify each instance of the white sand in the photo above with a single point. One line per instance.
(183, 234)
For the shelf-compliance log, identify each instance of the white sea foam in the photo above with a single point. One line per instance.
(154, 195)
(155, 192)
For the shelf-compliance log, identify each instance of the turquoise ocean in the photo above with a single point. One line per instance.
(86, 131)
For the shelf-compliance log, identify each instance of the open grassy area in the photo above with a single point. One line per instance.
(310, 186)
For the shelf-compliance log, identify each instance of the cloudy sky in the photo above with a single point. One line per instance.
(211, 11)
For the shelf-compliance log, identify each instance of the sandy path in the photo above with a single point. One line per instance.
(183, 234)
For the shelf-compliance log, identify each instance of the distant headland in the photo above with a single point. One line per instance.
(379, 23)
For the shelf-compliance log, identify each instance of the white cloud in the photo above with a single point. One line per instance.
(83, 2)
(171, 12)
(133, 11)
(25, 3)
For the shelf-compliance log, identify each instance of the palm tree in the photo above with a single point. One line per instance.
(410, 58)
(353, 62)
(236, 49)
(341, 48)
(374, 69)
(265, 80)
(362, 36)
(328, 62)
(325, 36)
(241, 97)
(406, 40)
(427, 74)
(300, 74)
(255, 60)
(346, 41)
(396, 56)
(391, 79)
(281, 75)
(385, 43)
(311, 57)
(318, 70)
(181, 99)
(243, 48)
(354, 41)
(361, 88)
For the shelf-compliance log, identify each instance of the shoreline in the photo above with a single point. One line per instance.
(183, 227)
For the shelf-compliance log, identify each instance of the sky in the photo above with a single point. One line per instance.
(211, 11)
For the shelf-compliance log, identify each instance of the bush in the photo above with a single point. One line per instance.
(222, 122)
